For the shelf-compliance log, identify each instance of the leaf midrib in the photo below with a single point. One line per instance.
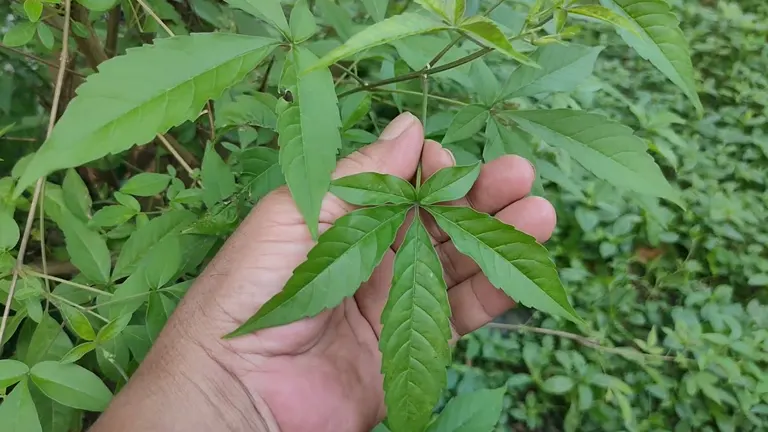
(541, 77)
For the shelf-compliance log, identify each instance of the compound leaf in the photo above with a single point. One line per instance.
(383, 32)
(373, 189)
(78, 352)
(343, 258)
(11, 372)
(449, 184)
(18, 412)
(146, 184)
(466, 123)
(416, 332)
(512, 260)
(490, 34)
(147, 91)
(657, 37)
(608, 149)
(76, 320)
(563, 68)
(478, 411)
(270, 11)
(71, 385)
(309, 135)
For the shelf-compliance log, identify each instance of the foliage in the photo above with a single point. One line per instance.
(167, 141)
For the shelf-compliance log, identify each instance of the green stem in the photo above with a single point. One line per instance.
(70, 283)
(350, 73)
(414, 93)
(57, 298)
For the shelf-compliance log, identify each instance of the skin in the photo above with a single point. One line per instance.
(321, 373)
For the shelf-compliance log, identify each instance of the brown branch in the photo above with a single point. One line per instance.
(39, 59)
(113, 31)
(90, 46)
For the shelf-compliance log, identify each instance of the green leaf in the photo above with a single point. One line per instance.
(49, 342)
(11, 372)
(608, 149)
(483, 81)
(309, 135)
(77, 321)
(112, 216)
(416, 332)
(77, 198)
(503, 140)
(603, 14)
(128, 103)
(490, 34)
(87, 249)
(256, 109)
(562, 69)
(557, 384)
(159, 310)
(337, 17)
(78, 352)
(9, 230)
(383, 32)
(478, 411)
(146, 184)
(512, 260)
(302, 22)
(217, 176)
(53, 416)
(657, 38)
(18, 412)
(98, 5)
(46, 35)
(373, 189)
(758, 280)
(270, 11)
(162, 262)
(33, 9)
(20, 34)
(466, 123)
(113, 328)
(71, 385)
(449, 184)
(438, 7)
(343, 258)
(137, 339)
(610, 382)
(261, 169)
(147, 237)
(128, 201)
(377, 9)
(354, 107)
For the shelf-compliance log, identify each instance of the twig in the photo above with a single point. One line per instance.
(574, 337)
(39, 186)
(41, 222)
(68, 282)
(19, 139)
(458, 39)
(39, 59)
(175, 154)
(350, 73)
(263, 85)
(82, 308)
(113, 30)
(154, 16)
(415, 93)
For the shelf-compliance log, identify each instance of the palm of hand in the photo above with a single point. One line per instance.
(323, 373)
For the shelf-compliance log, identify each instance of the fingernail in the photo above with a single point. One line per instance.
(450, 154)
(398, 126)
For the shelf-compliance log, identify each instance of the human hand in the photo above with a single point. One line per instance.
(321, 373)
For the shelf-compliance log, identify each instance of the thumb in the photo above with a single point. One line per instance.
(396, 152)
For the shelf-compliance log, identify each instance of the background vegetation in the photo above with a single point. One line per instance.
(675, 300)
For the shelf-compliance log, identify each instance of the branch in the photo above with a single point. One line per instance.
(89, 46)
(39, 186)
(39, 59)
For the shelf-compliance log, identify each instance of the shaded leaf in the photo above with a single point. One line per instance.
(603, 14)
(218, 179)
(484, 81)
(415, 333)
(46, 35)
(9, 230)
(248, 109)
(270, 11)
(49, 342)
(606, 148)
(512, 260)
(557, 384)
(87, 249)
(466, 123)
(146, 184)
(337, 17)
(159, 310)
(11, 372)
(71, 385)
(657, 38)
(262, 171)
(377, 9)
(77, 198)
(112, 216)
(383, 32)
(309, 135)
(18, 412)
(162, 262)
(98, 5)
(54, 417)
(562, 69)
(354, 107)
(503, 140)
(489, 34)
(343, 258)
(302, 22)
(373, 189)
(478, 411)
(138, 341)
(127, 103)
(449, 184)
(20, 34)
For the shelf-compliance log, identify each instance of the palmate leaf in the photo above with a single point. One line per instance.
(658, 38)
(373, 189)
(513, 261)
(309, 134)
(415, 333)
(449, 184)
(383, 32)
(466, 123)
(343, 258)
(144, 92)
(606, 148)
(490, 34)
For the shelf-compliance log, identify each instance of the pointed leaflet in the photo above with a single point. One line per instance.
(488, 32)
(11, 372)
(373, 189)
(502, 140)
(343, 258)
(87, 249)
(71, 385)
(511, 260)
(478, 411)
(391, 29)
(563, 68)
(270, 11)
(608, 149)
(309, 134)
(18, 412)
(449, 184)
(603, 14)
(377, 9)
(658, 38)
(144, 92)
(261, 170)
(302, 24)
(415, 333)
(466, 123)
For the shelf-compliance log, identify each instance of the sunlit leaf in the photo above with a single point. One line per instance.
(658, 38)
(78, 352)
(489, 34)
(466, 123)
(71, 385)
(146, 184)
(513, 261)
(113, 328)
(449, 184)
(77, 321)
(415, 333)
(18, 412)
(128, 103)
(343, 258)
(478, 411)
(34, 9)
(20, 34)
(373, 189)
(608, 149)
